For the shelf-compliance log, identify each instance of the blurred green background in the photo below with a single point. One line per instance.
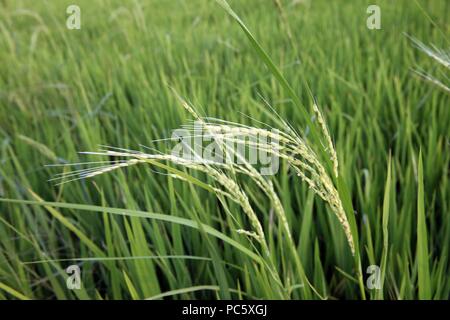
(64, 91)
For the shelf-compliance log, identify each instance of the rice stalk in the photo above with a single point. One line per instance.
(304, 161)
(295, 150)
(442, 57)
(330, 147)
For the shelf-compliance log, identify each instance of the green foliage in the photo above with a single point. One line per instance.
(64, 91)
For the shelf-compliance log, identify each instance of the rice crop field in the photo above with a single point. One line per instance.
(344, 104)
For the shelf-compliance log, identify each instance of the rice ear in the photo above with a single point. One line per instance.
(330, 147)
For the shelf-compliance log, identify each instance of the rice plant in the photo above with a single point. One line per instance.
(351, 201)
(292, 148)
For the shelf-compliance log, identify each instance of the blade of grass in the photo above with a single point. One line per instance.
(183, 290)
(13, 292)
(348, 207)
(272, 67)
(143, 214)
(84, 238)
(385, 221)
(423, 266)
(131, 289)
